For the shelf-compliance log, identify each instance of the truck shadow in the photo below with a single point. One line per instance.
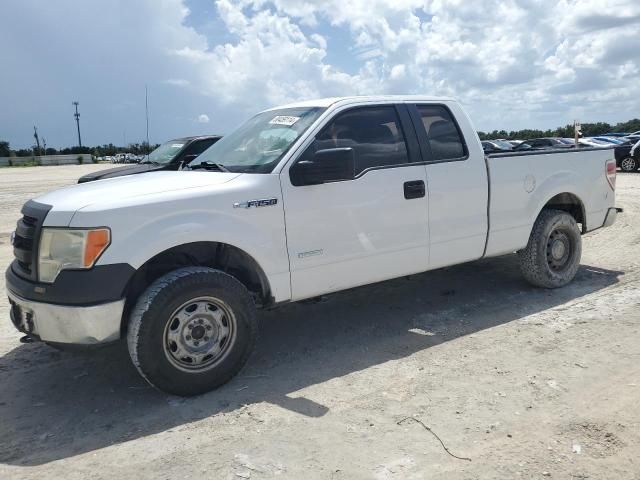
(56, 405)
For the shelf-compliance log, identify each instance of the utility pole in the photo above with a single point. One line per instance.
(146, 110)
(77, 116)
(35, 135)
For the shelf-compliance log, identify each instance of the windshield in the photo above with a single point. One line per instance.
(166, 152)
(259, 144)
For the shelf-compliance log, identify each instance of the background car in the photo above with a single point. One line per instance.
(592, 142)
(168, 156)
(615, 134)
(611, 140)
(131, 158)
(545, 144)
(624, 160)
(493, 146)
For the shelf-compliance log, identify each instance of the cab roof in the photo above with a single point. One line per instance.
(329, 101)
(196, 137)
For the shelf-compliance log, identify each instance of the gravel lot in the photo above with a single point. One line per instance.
(526, 383)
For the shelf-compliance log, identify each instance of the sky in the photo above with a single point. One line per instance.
(210, 64)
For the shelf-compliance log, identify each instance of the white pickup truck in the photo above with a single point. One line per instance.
(300, 201)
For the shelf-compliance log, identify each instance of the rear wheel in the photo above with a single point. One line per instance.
(629, 164)
(192, 330)
(552, 255)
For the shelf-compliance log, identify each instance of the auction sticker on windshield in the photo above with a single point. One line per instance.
(284, 120)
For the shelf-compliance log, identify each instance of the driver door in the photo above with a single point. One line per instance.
(367, 229)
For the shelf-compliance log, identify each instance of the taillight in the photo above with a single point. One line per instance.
(611, 173)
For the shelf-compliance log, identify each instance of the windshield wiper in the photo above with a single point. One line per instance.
(149, 162)
(209, 166)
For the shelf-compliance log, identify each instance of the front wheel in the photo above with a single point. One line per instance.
(629, 164)
(192, 330)
(552, 255)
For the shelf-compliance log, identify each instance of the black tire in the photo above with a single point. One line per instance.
(552, 255)
(629, 164)
(152, 322)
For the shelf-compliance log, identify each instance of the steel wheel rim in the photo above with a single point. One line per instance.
(559, 250)
(628, 164)
(199, 334)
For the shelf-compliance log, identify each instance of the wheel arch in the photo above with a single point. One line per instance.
(570, 203)
(221, 256)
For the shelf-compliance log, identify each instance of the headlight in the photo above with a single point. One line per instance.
(66, 248)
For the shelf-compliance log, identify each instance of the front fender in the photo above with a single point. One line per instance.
(143, 230)
(159, 235)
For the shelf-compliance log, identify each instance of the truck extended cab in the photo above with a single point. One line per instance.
(300, 201)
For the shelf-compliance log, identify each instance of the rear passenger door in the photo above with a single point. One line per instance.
(353, 232)
(457, 186)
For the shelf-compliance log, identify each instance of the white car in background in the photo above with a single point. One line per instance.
(610, 140)
(592, 142)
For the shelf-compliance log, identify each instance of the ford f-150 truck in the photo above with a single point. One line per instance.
(300, 201)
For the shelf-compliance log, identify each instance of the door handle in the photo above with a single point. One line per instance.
(414, 189)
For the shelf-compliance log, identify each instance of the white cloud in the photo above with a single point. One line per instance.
(502, 60)
(178, 82)
(203, 118)
(397, 71)
(513, 63)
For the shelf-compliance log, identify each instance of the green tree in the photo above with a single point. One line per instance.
(5, 150)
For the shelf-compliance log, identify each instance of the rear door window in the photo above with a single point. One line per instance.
(445, 139)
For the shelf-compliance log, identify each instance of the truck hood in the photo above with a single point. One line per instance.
(120, 172)
(66, 201)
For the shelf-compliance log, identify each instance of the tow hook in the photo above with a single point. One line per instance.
(27, 339)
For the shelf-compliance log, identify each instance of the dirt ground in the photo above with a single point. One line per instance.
(525, 383)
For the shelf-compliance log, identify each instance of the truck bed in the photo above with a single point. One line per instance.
(531, 179)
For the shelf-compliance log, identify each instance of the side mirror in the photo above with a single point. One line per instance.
(330, 165)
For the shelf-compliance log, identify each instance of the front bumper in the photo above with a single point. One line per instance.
(81, 307)
(83, 325)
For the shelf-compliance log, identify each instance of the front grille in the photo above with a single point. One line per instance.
(27, 237)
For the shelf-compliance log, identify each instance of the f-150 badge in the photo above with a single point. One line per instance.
(265, 202)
